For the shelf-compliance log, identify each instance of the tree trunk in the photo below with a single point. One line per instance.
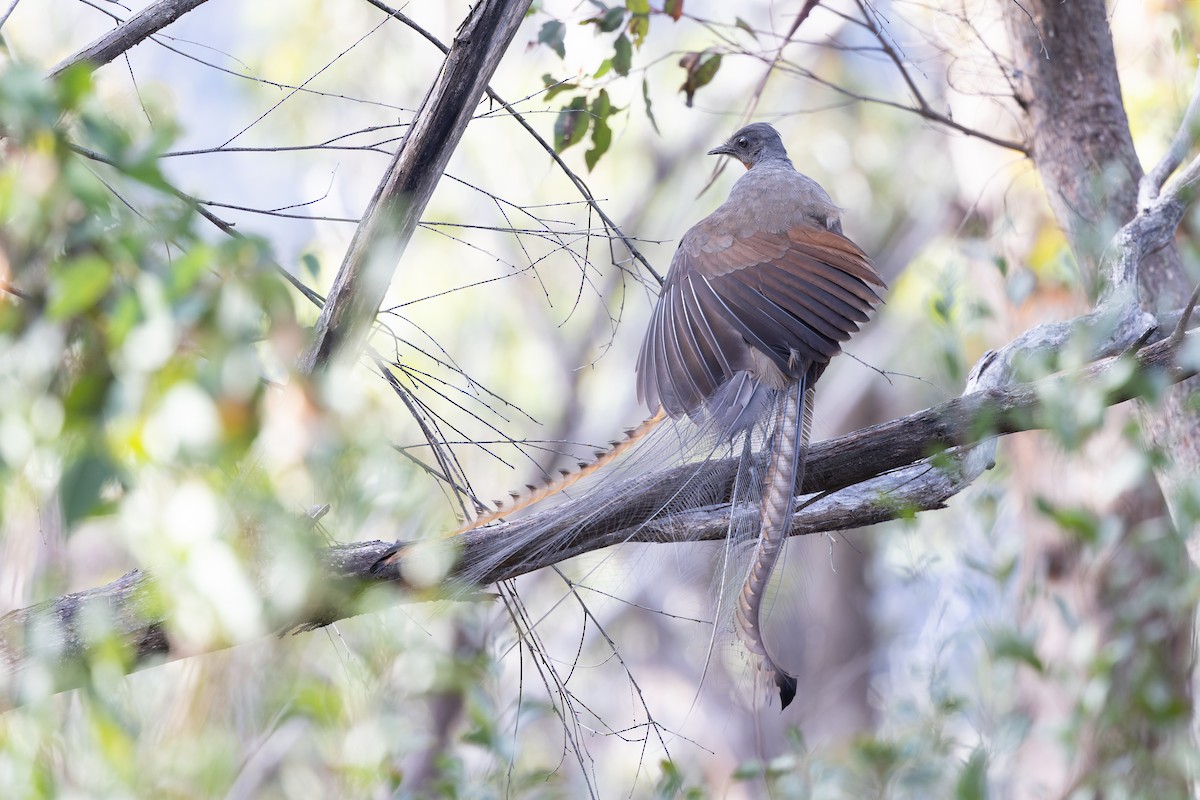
(1078, 134)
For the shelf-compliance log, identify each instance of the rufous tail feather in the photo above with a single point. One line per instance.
(567, 478)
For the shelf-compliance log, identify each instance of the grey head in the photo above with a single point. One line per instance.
(753, 144)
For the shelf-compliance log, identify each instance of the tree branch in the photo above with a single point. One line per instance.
(133, 31)
(576, 181)
(394, 210)
(869, 476)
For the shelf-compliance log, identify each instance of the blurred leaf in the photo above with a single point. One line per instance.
(78, 285)
(571, 125)
(1009, 646)
(186, 271)
(880, 756)
(671, 782)
(741, 23)
(749, 771)
(649, 111)
(673, 9)
(81, 485)
(700, 72)
(639, 20)
(74, 84)
(311, 265)
(609, 21)
(622, 55)
(553, 34)
(1077, 520)
(602, 109)
(972, 782)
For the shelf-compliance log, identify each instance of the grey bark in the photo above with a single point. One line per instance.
(133, 31)
(1079, 138)
(395, 209)
(886, 465)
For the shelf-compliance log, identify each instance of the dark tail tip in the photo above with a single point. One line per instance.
(787, 688)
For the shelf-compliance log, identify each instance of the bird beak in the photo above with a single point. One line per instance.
(723, 150)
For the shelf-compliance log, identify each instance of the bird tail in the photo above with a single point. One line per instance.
(567, 478)
(784, 475)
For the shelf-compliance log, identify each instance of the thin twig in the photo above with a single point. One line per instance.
(578, 182)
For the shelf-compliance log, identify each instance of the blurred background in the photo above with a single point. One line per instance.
(938, 654)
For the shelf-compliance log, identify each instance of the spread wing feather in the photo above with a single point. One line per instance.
(794, 296)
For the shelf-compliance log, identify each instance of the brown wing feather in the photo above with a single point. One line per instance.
(794, 296)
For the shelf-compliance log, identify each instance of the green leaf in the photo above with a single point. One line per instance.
(972, 783)
(186, 271)
(126, 312)
(741, 23)
(622, 55)
(603, 69)
(611, 20)
(639, 26)
(81, 484)
(554, 34)
(311, 265)
(638, 6)
(78, 285)
(74, 85)
(601, 134)
(1008, 645)
(673, 9)
(671, 782)
(649, 111)
(571, 125)
(700, 72)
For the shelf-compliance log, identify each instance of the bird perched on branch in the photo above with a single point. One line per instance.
(758, 298)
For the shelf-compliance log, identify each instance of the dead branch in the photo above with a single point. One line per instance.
(887, 468)
(395, 209)
(133, 31)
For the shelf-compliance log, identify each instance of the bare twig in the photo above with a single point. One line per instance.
(578, 182)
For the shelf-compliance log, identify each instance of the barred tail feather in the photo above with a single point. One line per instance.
(785, 473)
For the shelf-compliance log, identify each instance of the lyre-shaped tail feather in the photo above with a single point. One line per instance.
(785, 472)
(535, 494)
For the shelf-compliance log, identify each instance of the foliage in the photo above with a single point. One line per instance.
(151, 419)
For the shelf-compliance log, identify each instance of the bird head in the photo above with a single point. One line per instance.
(752, 145)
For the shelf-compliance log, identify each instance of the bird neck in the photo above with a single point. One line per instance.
(772, 161)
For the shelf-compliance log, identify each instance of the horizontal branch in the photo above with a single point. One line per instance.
(869, 476)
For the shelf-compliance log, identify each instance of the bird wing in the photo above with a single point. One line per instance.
(793, 295)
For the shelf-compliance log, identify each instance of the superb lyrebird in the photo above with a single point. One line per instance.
(759, 296)
(757, 300)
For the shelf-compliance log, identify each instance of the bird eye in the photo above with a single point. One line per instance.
(742, 143)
